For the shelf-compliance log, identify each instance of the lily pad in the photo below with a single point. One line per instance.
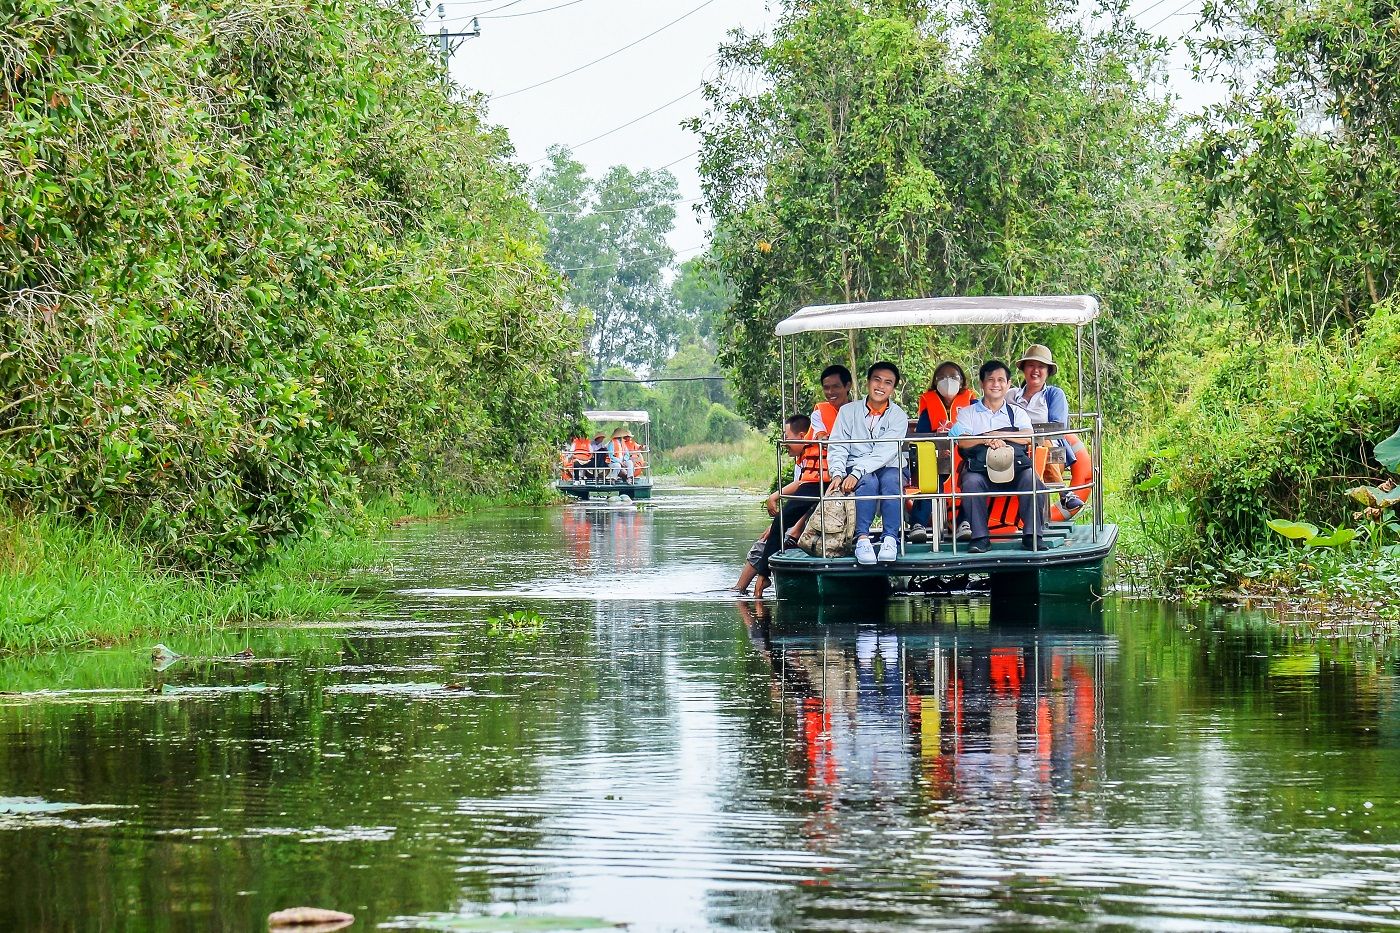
(1336, 538)
(1387, 452)
(1298, 531)
(1375, 497)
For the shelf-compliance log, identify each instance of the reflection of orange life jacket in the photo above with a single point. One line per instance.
(940, 416)
(814, 455)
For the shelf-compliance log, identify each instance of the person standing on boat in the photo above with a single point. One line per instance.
(1045, 403)
(1000, 463)
(870, 464)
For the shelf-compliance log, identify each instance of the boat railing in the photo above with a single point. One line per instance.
(1045, 438)
(599, 469)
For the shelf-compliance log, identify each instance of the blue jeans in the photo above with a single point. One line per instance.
(882, 482)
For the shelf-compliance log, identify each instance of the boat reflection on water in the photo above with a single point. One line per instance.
(607, 537)
(940, 698)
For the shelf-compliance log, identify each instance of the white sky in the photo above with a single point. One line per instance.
(552, 37)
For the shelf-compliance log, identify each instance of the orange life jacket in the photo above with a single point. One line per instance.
(635, 450)
(813, 461)
(580, 450)
(941, 416)
(814, 455)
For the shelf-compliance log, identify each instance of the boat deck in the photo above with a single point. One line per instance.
(1070, 546)
(637, 490)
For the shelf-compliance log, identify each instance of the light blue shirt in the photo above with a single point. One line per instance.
(977, 418)
(855, 423)
(1049, 404)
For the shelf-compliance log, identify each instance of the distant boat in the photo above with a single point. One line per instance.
(609, 472)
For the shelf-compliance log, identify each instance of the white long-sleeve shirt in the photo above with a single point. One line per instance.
(855, 422)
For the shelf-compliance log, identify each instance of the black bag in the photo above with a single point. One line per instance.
(976, 458)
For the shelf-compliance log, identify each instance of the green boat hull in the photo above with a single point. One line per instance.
(581, 491)
(1071, 569)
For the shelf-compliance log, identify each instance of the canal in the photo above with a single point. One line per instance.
(557, 719)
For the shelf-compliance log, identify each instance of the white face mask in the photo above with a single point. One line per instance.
(949, 386)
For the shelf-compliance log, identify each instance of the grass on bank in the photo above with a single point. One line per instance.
(746, 464)
(68, 585)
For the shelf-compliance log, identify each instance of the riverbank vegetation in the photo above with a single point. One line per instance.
(259, 263)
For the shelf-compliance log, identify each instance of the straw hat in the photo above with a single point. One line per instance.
(622, 432)
(1037, 353)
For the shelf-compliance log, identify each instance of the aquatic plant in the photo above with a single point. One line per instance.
(519, 623)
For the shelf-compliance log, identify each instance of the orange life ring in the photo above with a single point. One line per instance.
(1081, 473)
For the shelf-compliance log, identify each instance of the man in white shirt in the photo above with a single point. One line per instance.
(1011, 430)
(871, 465)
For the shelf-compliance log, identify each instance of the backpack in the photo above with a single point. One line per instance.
(831, 528)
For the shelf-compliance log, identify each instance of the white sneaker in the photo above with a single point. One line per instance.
(889, 549)
(964, 531)
(865, 552)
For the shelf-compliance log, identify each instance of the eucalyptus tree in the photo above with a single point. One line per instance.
(607, 237)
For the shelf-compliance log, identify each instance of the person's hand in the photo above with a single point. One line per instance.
(835, 488)
(848, 485)
(773, 504)
(995, 443)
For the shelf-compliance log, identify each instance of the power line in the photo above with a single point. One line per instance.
(680, 160)
(548, 9)
(624, 210)
(624, 126)
(660, 379)
(633, 262)
(603, 58)
(1177, 12)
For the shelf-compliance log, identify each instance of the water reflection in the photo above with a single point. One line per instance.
(957, 707)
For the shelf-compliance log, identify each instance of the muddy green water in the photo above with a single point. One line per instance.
(664, 757)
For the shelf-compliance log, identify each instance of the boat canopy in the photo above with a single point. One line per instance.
(636, 417)
(936, 312)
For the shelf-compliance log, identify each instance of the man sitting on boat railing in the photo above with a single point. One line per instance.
(865, 459)
(998, 464)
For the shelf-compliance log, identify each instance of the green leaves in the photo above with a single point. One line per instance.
(1310, 535)
(1387, 452)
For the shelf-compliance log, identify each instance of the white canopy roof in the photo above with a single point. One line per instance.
(934, 312)
(639, 417)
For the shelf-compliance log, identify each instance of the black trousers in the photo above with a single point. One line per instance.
(789, 514)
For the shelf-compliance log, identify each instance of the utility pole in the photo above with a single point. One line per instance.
(449, 42)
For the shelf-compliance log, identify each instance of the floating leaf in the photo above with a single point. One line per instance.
(1376, 497)
(1339, 537)
(1387, 452)
(1298, 531)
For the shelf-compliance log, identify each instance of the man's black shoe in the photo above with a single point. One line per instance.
(979, 545)
(1031, 544)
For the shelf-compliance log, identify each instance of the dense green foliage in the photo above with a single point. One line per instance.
(254, 258)
(894, 150)
(1281, 398)
(607, 237)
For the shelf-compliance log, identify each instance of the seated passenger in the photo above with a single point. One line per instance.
(938, 412)
(598, 469)
(636, 452)
(836, 391)
(871, 465)
(997, 464)
(573, 457)
(1046, 404)
(790, 504)
(620, 468)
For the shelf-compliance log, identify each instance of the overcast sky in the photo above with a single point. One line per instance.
(526, 42)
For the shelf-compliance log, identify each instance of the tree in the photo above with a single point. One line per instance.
(1297, 173)
(897, 151)
(607, 237)
(701, 297)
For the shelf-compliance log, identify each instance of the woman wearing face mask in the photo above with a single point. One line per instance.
(938, 411)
